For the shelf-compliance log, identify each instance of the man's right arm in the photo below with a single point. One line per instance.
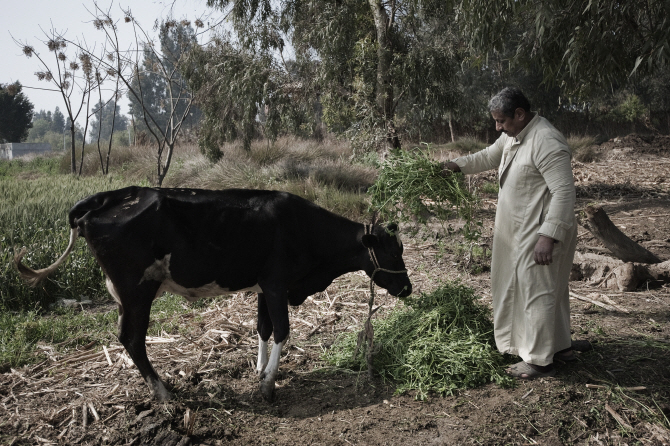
(486, 159)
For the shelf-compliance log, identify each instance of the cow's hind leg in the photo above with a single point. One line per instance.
(133, 325)
(264, 327)
(277, 307)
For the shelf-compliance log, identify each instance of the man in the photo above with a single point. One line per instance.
(534, 235)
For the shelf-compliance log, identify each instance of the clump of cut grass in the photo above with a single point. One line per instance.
(437, 342)
(411, 186)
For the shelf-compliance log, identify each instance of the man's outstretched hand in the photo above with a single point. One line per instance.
(449, 167)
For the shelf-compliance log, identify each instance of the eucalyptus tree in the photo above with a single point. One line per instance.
(375, 64)
(107, 119)
(582, 46)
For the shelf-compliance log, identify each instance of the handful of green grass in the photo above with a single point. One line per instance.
(440, 342)
(411, 186)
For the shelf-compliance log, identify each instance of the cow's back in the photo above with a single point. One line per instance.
(228, 236)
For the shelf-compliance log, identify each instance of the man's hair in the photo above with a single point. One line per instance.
(508, 100)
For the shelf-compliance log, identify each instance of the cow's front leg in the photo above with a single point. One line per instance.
(264, 327)
(262, 355)
(269, 375)
(277, 307)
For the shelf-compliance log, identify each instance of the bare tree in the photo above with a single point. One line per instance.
(126, 67)
(73, 77)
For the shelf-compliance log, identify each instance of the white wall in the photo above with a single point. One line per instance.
(14, 149)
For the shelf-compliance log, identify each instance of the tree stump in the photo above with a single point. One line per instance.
(607, 272)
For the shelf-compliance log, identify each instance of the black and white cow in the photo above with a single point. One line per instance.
(199, 243)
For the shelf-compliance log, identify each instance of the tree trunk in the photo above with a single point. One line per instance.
(616, 241)
(384, 88)
(73, 151)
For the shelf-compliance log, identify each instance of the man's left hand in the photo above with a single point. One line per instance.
(543, 250)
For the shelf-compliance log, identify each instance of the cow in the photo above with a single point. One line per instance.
(200, 243)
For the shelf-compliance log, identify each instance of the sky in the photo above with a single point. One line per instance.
(26, 21)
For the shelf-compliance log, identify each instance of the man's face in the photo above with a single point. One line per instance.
(512, 126)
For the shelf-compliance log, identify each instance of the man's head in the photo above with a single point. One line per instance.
(511, 111)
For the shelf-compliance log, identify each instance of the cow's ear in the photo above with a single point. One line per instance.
(369, 240)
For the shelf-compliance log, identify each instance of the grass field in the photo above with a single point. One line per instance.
(37, 194)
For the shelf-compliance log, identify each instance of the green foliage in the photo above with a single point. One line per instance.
(20, 332)
(437, 342)
(246, 94)
(16, 113)
(49, 122)
(367, 78)
(589, 45)
(411, 186)
(41, 165)
(491, 187)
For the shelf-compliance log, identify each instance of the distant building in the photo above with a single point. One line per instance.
(15, 149)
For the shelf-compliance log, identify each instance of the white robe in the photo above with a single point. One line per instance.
(531, 309)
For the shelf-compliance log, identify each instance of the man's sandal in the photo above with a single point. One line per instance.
(582, 346)
(523, 370)
(567, 355)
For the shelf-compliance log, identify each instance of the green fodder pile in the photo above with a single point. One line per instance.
(437, 342)
(411, 186)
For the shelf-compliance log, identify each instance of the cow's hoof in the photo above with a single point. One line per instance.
(163, 397)
(268, 390)
(158, 390)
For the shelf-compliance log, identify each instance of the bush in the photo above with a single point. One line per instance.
(629, 110)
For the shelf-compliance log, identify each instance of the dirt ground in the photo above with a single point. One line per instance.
(618, 393)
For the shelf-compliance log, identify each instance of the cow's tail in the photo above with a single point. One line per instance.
(33, 277)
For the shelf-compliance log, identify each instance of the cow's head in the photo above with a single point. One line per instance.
(386, 247)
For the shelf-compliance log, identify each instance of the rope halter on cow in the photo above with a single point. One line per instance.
(366, 336)
(375, 263)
